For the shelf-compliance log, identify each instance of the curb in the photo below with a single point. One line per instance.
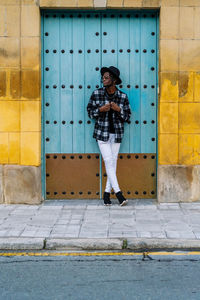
(29, 243)
(84, 244)
(162, 244)
(129, 244)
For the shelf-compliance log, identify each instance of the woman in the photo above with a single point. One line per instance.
(110, 107)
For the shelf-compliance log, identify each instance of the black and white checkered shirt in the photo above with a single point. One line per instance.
(101, 129)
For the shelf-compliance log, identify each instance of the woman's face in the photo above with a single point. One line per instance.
(107, 79)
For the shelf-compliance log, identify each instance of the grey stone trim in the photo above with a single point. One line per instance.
(178, 183)
(84, 244)
(20, 184)
(21, 243)
(162, 244)
(100, 3)
(135, 244)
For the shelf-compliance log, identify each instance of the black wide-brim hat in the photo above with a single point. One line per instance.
(114, 71)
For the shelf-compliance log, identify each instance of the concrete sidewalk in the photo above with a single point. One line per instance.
(87, 224)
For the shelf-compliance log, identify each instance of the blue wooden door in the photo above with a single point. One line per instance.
(75, 46)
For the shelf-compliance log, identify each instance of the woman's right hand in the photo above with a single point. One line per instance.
(105, 108)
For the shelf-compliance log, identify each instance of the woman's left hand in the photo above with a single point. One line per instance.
(115, 107)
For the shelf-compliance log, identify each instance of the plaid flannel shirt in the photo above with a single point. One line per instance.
(101, 128)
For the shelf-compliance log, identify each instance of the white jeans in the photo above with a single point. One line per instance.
(109, 151)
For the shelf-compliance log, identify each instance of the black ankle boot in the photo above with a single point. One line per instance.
(120, 197)
(106, 199)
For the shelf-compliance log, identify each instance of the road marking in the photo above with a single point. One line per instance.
(67, 253)
(99, 253)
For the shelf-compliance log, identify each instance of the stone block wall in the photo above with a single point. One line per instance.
(20, 101)
(178, 101)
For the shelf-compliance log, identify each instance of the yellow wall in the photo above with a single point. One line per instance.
(179, 103)
(20, 98)
(179, 77)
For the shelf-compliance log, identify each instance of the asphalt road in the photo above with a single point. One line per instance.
(100, 277)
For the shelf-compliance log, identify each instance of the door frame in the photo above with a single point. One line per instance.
(42, 11)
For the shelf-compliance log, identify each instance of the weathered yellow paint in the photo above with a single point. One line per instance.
(30, 20)
(169, 87)
(9, 55)
(14, 87)
(85, 3)
(143, 254)
(14, 148)
(71, 253)
(189, 55)
(169, 3)
(189, 2)
(28, 2)
(182, 120)
(196, 22)
(9, 116)
(151, 3)
(30, 148)
(132, 3)
(2, 84)
(168, 118)
(114, 3)
(186, 86)
(2, 20)
(4, 147)
(169, 53)
(58, 3)
(10, 2)
(168, 149)
(30, 49)
(9, 15)
(186, 26)
(8, 90)
(197, 87)
(10, 84)
(189, 118)
(30, 116)
(169, 29)
(189, 149)
(30, 85)
(12, 16)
